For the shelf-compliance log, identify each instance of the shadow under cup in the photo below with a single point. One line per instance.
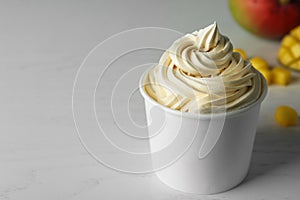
(177, 140)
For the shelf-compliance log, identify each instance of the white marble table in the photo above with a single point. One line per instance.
(42, 46)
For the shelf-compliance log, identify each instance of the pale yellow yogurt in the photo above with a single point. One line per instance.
(199, 73)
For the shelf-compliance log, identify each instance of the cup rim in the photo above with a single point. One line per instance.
(231, 113)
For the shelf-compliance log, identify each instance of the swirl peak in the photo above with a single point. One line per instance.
(208, 38)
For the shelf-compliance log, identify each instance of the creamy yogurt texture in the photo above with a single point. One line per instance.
(199, 73)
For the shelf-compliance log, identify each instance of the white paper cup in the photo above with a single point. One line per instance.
(177, 137)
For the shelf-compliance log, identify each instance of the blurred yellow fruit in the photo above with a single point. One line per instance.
(295, 65)
(281, 76)
(288, 40)
(241, 52)
(286, 116)
(267, 75)
(259, 63)
(285, 57)
(289, 50)
(295, 32)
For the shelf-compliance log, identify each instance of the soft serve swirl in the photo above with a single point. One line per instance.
(199, 73)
